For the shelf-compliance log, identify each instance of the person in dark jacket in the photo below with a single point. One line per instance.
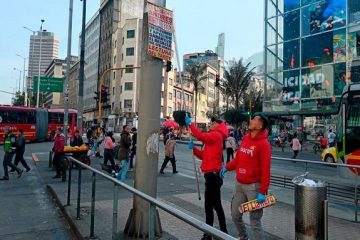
(133, 147)
(76, 141)
(211, 157)
(9, 150)
(252, 166)
(125, 144)
(58, 150)
(20, 150)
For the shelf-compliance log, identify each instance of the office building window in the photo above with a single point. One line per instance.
(130, 34)
(170, 96)
(130, 51)
(169, 110)
(128, 86)
(129, 70)
(170, 82)
(128, 103)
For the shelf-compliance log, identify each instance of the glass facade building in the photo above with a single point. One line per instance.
(312, 50)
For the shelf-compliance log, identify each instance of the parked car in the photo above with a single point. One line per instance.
(329, 155)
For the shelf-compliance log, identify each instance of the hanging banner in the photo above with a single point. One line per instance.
(160, 24)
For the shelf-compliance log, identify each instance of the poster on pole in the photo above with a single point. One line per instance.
(160, 24)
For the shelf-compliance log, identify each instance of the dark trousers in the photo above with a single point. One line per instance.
(229, 154)
(166, 160)
(296, 152)
(132, 155)
(19, 157)
(213, 183)
(8, 162)
(108, 156)
(59, 166)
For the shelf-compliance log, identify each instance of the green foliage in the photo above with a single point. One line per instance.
(235, 117)
(18, 99)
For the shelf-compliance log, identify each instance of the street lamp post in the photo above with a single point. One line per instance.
(19, 78)
(32, 65)
(38, 83)
(23, 82)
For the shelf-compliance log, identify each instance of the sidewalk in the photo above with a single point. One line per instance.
(180, 192)
(26, 210)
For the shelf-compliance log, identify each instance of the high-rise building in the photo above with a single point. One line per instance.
(49, 51)
(312, 50)
(220, 48)
(91, 70)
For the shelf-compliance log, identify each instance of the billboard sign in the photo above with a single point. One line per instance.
(49, 84)
(160, 24)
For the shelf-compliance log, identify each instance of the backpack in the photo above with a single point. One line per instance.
(116, 150)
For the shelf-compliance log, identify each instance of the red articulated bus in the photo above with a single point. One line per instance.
(39, 124)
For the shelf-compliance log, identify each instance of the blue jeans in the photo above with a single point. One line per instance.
(124, 168)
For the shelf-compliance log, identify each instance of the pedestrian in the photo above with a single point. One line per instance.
(133, 147)
(125, 144)
(89, 133)
(230, 147)
(169, 154)
(58, 150)
(211, 163)
(331, 138)
(109, 145)
(20, 150)
(252, 165)
(300, 136)
(295, 145)
(9, 150)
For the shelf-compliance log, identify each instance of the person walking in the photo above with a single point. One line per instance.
(125, 143)
(230, 147)
(211, 163)
(133, 148)
(331, 138)
(58, 150)
(169, 154)
(20, 150)
(295, 145)
(252, 165)
(9, 150)
(109, 145)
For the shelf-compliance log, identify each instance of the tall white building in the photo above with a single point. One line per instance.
(49, 51)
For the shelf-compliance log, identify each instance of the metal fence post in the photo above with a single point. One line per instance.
(92, 205)
(69, 183)
(151, 221)
(50, 159)
(326, 215)
(306, 166)
(79, 193)
(356, 194)
(115, 211)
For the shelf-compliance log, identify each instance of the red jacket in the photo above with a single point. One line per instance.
(211, 155)
(59, 143)
(252, 161)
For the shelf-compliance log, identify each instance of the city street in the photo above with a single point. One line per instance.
(178, 190)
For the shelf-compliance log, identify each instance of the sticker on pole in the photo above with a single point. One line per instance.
(255, 205)
(160, 24)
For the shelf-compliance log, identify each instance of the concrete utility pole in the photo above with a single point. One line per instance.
(67, 78)
(81, 73)
(147, 154)
(38, 83)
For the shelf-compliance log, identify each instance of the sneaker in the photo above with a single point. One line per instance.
(206, 237)
(161, 172)
(175, 172)
(20, 173)
(28, 170)
(12, 171)
(4, 178)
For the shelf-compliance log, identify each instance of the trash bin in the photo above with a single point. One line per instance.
(310, 219)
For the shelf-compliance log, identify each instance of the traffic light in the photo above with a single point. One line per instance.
(248, 113)
(97, 95)
(217, 80)
(104, 94)
(168, 66)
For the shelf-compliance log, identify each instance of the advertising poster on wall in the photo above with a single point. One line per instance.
(291, 89)
(339, 45)
(339, 78)
(327, 15)
(160, 31)
(317, 82)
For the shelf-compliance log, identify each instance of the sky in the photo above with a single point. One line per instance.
(198, 24)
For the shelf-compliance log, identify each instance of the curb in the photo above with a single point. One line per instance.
(69, 220)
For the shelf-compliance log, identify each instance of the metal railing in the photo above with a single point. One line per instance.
(349, 194)
(152, 201)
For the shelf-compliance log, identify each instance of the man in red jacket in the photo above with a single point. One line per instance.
(58, 150)
(211, 156)
(252, 165)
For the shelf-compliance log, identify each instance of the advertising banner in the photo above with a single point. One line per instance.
(160, 24)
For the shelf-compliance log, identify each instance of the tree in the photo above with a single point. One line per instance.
(237, 77)
(33, 100)
(226, 90)
(18, 99)
(256, 96)
(195, 75)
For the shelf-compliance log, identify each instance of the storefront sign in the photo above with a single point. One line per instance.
(160, 24)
